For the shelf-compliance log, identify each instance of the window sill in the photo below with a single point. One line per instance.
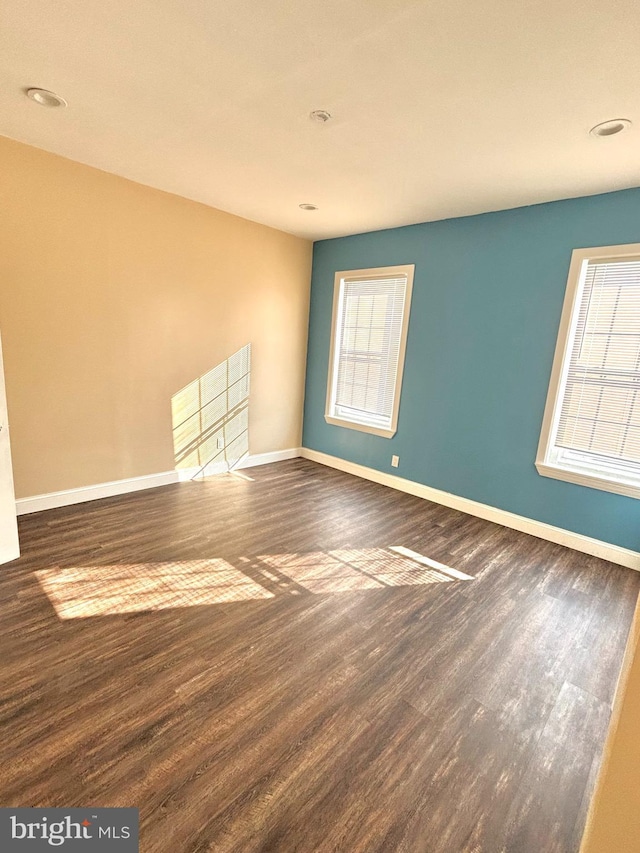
(594, 481)
(385, 433)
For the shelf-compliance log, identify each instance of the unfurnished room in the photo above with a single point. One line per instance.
(320, 427)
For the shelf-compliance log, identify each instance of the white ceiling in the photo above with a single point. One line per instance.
(441, 108)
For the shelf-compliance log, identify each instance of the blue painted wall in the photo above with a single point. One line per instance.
(486, 306)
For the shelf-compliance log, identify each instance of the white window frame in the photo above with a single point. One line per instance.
(579, 468)
(363, 275)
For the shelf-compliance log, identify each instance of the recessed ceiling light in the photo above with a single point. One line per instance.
(611, 127)
(320, 115)
(307, 206)
(46, 98)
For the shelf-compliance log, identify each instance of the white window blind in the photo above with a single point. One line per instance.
(369, 330)
(597, 422)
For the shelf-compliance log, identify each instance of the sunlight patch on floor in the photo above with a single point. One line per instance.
(456, 574)
(352, 569)
(83, 591)
(129, 588)
(240, 475)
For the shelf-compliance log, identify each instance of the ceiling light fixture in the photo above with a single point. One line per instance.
(611, 127)
(45, 98)
(307, 206)
(320, 115)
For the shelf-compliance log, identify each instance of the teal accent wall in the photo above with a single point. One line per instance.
(487, 299)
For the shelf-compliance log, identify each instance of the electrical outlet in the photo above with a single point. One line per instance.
(395, 461)
(220, 443)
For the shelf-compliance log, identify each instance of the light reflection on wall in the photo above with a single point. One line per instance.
(210, 417)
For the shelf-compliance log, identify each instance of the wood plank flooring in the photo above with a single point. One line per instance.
(251, 664)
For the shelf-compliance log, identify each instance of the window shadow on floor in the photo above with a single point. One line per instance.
(82, 591)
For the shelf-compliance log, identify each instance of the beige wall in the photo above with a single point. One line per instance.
(614, 819)
(113, 296)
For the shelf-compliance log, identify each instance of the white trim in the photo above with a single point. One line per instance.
(37, 503)
(374, 274)
(9, 542)
(11, 551)
(341, 422)
(595, 547)
(557, 472)
(252, 461)
(544, 462)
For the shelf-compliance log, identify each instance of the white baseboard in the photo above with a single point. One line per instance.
(250, 461)
(266, 458)
(36, 503)
(595, 547)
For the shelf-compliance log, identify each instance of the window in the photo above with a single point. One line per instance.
(368, 338)
(591, 428)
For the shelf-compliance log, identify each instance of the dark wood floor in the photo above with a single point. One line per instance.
(249, 663)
